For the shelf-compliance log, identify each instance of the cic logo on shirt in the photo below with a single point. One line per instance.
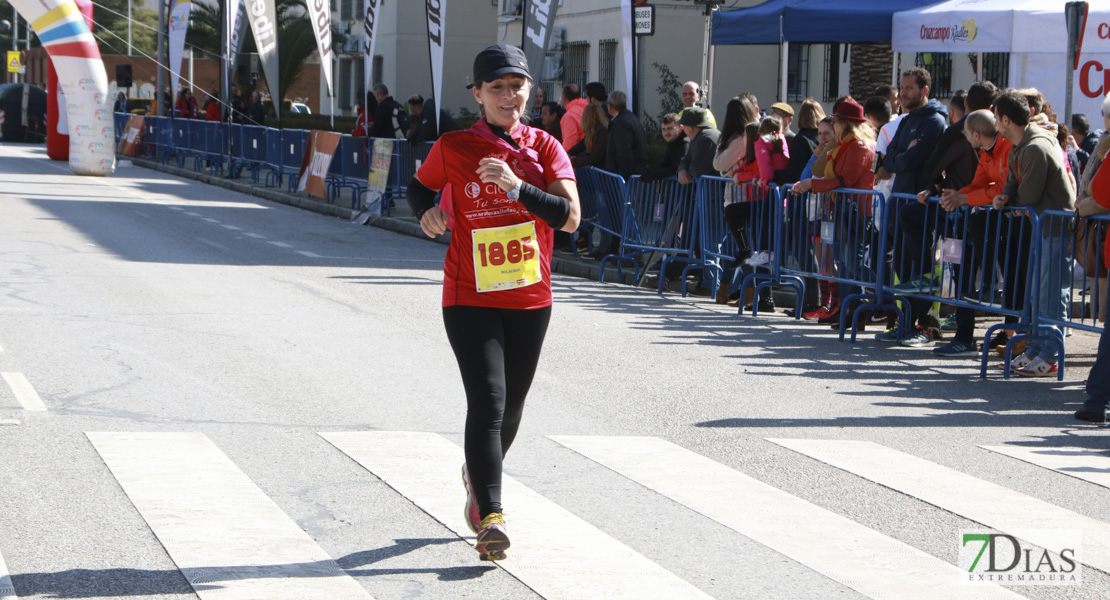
(473, 190)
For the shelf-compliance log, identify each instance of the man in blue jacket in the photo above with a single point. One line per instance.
(905, 157)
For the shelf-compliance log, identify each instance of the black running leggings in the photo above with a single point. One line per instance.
(497, 350)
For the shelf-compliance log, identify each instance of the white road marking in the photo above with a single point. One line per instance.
(24, 392)
(841, 549)
(230, 540)
(309, 254)
(232, 227)
(176, 208)
(553, 552)
(281, 244)
(211, 220)
(6, 589)
(981, 501)
(9, 421)
(255, 235)
(193, 214)
(1088, 465)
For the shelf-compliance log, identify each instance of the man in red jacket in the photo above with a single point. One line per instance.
(571, 123)
(981, 130)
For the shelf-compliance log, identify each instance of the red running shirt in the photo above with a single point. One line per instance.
(503, 228)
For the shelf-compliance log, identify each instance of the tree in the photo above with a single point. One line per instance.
(110, 27)
(296, 40)
(6, 13)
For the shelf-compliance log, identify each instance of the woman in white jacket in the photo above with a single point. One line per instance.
(730, 148)
(730, 152)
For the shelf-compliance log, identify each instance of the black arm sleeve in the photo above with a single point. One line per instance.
(549, 207)
(420, 198)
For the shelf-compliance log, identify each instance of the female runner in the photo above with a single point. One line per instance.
(511, 185)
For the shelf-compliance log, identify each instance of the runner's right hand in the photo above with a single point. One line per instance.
(434, 222)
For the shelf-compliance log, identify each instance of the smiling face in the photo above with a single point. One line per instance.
(689, 94)
(504, 99)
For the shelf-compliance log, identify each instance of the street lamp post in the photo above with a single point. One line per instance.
(707, 48)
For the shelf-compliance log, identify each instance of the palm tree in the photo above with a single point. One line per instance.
(296, 41)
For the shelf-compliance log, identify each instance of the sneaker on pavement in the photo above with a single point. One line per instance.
(760, 258)
(830, 317)
(957, 348)
(1091, 416)
(493, 538)
(890, 336)
(816, 313)
(1039, 367)
(470, 510)
(949, 323)
(1017, 362)
(920, 337)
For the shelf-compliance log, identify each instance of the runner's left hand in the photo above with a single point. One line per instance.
(493, 170)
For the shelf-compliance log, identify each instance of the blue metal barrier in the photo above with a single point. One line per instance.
(602, 196)
(254, 148)
(761, 210)
(659, 217)
(351, 166)
(840, 229)
(273, 156)
(290, 147)
(969, 259)
(407, 158)
(1063, 300)
(120, 122)
(160, 138)
(215, 145)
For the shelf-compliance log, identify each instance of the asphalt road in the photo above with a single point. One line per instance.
(660, 431)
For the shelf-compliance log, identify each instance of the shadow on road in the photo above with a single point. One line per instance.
(122, 582)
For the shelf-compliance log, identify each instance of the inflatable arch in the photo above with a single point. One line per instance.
(65, 35)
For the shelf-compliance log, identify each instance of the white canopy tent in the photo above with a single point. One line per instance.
(1032, 31)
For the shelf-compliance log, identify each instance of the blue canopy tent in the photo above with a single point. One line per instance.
(809, 22)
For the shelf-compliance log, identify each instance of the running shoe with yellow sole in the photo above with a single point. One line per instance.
(470, 510)
(493, 538)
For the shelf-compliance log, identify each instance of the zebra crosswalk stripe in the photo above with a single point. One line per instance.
(981, 501)
(854, 555)
(1081, 463)
(230, 540)
(553, 552)
(24, 392)
(7, 592)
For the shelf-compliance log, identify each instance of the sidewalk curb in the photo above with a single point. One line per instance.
(564, 266)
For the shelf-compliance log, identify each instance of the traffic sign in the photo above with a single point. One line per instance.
(14, 65)
(644, 19)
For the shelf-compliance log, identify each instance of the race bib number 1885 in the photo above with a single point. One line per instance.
(506, 258)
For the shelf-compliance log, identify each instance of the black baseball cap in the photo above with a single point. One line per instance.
(499, 60)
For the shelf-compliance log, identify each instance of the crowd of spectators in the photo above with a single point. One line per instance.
(984, 151)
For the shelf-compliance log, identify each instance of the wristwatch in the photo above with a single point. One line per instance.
(514, 194)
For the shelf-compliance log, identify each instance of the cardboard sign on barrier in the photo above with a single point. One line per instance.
(316, 162)
(378, 179)
(128, 142)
